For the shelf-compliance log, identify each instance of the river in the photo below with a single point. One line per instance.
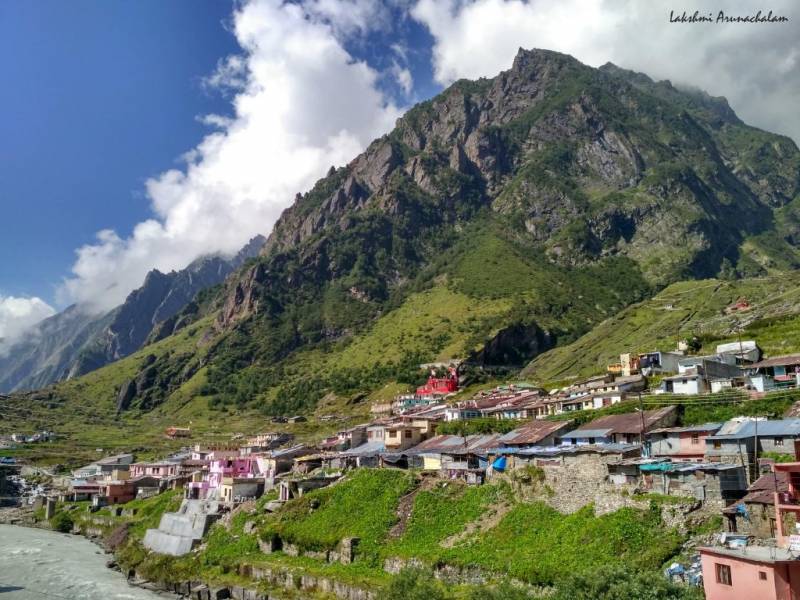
(37, 564)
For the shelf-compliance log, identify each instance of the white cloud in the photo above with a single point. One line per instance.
(17, 315)
(301, 103)
(403, 77)
(754, 65)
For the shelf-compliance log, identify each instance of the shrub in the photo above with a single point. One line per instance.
(62, 522)
(621, 583)
(414, 584)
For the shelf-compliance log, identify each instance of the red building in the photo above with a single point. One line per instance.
(440, 385)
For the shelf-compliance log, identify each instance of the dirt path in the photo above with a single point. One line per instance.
(406, 506)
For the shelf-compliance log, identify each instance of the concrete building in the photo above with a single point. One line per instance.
(683, 444)
(777, 372)
(621, 429)
(750, 573)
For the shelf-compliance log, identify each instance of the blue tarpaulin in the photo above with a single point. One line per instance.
(499, 464)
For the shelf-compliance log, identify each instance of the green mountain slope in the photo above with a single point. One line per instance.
(682, 311)
(500, 219)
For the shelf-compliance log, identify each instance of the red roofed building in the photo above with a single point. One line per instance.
(440, 385)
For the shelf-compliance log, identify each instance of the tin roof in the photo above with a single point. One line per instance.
(777, 361)
(532, 432)
(748, 429)
(622, 423)
(689, 429)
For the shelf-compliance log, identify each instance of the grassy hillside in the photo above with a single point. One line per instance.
(398, 514)
(681, 311)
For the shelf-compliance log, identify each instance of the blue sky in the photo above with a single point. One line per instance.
(106, 170)
(101, 95)
(96, 96)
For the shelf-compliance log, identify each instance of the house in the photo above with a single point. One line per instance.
(115, 492)
(621, 429)
(754, 514)
(215, 449)
(158, 469)
(744, 352)
(453, 452)
(656, 363)
(400, 436)
(535, 433)
(711, 483)
(200, 488)
(771, 373)
(749, 573)
(235, 490)
(735, 442)
(273, 463)
(681, 444)
(571, 469)
(365, 455)
(178, 432)
(439, 386)
(83, 489)
(104, 466)
(519, 406)
(265, 441)
(702, 375)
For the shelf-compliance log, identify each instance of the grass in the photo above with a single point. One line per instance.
(441, 512)
(537, 544)
(363, 506)
(681, 311)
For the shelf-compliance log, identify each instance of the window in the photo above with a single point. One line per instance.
(762, 575)
(717, 444)
(695, 438)
(408, 433)
(392, 434)
(778, 441)
(723, 574)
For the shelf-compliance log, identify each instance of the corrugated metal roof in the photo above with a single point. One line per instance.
(777, 361)
(532, 432)
(367, 449)
(587, 433)
(748, 429)
(689, 429)
(623, 423)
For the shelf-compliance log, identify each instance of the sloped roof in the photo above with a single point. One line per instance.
(777, 361)
(689, 429)
(748, 429)
(623, 423)
(532, 432)
(368, 449)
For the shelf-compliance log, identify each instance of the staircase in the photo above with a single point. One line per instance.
(178, 532)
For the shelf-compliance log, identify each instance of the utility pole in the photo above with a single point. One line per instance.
(755, 450)
(641, 412)
(739, 337)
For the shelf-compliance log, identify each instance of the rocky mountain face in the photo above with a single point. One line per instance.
(73, 343)
(601, 181)
(555, 193)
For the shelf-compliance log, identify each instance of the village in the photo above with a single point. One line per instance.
(746, 469)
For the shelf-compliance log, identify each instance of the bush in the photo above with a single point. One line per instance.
(620, 583)
(414, 584)
(62, 522)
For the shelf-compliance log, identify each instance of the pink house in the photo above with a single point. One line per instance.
(681, 444)
(220, 468)
(750, 573)
(762, 572)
